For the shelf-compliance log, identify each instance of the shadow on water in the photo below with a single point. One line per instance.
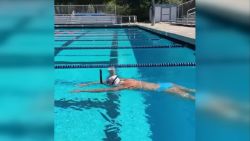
(110, 105)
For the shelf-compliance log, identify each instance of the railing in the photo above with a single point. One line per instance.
(90, 14)
(190, 11)
(183, 8)
(185, 21)
(126, 19)
(85, 19)
(186, 14)
(69, 19)
(78, 10)
(191, 14)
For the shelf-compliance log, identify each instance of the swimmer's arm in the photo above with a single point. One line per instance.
(100, 90)
(90, 83)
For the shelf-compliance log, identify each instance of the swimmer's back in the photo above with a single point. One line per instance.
(139, 84)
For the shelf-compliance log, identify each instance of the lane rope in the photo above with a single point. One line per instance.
(131, 39)
(74, 66)
(133, 47)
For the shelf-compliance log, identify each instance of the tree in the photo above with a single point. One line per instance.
(80, 2)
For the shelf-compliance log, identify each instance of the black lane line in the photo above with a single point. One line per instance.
(112, 130)
(20, 25)
(68, 43)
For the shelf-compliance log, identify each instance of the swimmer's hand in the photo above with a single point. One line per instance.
(82, 85)
(75, 91)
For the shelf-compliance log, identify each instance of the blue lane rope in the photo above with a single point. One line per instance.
(133, 47)
(76, 32)
(94, 35)
(117, 30)
(58, 40)
(189, 64)
(97, 32)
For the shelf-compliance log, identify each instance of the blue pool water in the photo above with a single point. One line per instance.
(128, 115)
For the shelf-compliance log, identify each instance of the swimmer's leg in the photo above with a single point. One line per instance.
(185, 89)
(180, 92)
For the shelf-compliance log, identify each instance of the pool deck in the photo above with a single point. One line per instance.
(183, 33)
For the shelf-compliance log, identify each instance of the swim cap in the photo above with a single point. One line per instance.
(112, 71)
(111, 68)
(113, 80)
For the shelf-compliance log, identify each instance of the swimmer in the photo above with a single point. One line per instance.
(122, 84)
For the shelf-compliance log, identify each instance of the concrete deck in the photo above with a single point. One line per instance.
(183, 33)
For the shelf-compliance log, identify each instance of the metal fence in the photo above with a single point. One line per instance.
(85, 20)
(186, 14)
(126, 19)
(90, 14)
(82, 10)
(95, 20)
(184, 8)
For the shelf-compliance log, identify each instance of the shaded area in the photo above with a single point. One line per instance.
(24, 129)
(79, 105)
(111, 105)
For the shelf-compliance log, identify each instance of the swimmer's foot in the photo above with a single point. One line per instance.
(192, 91)
(186, 90)
(189, 90)
(188, 96)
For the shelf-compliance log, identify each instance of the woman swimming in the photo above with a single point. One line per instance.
(122, 84)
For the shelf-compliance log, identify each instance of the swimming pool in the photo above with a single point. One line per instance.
(125, 115)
